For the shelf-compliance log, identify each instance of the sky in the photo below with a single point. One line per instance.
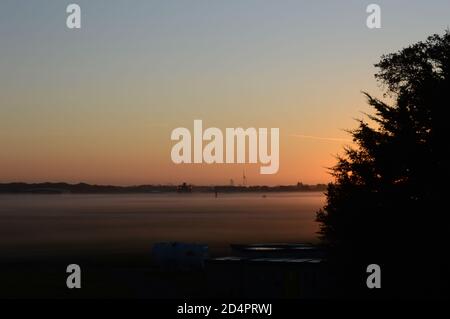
(98, 104)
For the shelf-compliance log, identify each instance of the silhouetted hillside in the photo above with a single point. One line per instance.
(83, 188)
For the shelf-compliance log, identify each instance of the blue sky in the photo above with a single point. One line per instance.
(71, 100)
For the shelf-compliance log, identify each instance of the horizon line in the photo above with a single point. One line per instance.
(161, 184)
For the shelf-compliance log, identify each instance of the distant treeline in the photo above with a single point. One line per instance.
(83, 188)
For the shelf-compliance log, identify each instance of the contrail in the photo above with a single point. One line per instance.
(331, 139)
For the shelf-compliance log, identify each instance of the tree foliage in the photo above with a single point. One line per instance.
(387, 200)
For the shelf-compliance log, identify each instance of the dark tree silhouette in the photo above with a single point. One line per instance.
(387, 204)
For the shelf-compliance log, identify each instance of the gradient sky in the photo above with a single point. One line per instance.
(98, 104)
